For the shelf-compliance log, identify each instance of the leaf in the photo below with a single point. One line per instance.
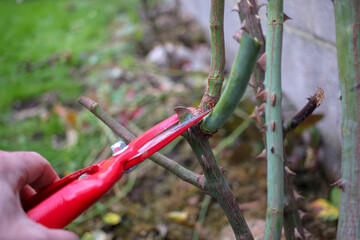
(68, 115)
(180, 217)
(324, 209)
(335, 196)
(87, 236)
(111, 218)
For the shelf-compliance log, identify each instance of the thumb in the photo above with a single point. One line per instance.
(60, 234)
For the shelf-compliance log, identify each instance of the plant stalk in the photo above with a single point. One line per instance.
(217, 63)
(216, 185)
(347, 18)
(293, 227)
(238, 80)
(274, 130)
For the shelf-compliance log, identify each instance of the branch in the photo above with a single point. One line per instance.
(274, 132)
(347, 18)
(216, 185)
(217, 63)
(235, 89)
(167, 163)
(306, 111)
(248, 12)
(292, 222)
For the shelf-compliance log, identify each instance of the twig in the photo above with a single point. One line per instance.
(167, 163)
(306, 111)
(217, 63)
(274, 130)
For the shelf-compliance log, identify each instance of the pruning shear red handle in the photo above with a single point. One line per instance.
(60, 203)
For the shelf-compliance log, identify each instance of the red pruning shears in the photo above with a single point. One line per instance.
(60, 203)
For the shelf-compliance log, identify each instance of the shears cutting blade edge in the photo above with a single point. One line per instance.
(60, 203)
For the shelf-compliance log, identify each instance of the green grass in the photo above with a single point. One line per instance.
(34, 32)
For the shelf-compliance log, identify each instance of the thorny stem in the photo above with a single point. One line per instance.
(217, 63)
(167, 163)
(347, 18)
(235, 89)
(216, 185)
(274, 132)
(248, 13)
(292, 223)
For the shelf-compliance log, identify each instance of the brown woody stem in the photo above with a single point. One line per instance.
(306, 111)
(216, 185)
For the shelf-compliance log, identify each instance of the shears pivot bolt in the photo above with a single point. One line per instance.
(118, 147)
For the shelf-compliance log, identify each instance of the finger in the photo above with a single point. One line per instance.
(26, 192)
(31, 230)
(34, 169)
(59, 234)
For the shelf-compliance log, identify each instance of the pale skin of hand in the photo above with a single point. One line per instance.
(20, 173)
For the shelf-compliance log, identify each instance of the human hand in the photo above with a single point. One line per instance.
(20, 173)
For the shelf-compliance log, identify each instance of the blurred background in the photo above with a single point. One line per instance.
(139, 60)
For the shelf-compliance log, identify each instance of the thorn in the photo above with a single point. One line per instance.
(264, 128)
(222, 170)
(262, 95)
(273, 99)
(296, 233)
(273, 126)
(289, 171)
(262, 154)
(182, 112)
(255, 113)
(302, 214)
(286, 17)
(272, 149)
(244, 27)
(262, 61)
(257, 17)
(237, 36)
(339, 183)
(298, 196)
(252, 81)
(259, 4)
(339, 95)
(262, 108)
(307, 233)
(258, 119)
(235, 8)
(258, 90)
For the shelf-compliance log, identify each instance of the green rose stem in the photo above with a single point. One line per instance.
(347, 20)
(274, 129)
